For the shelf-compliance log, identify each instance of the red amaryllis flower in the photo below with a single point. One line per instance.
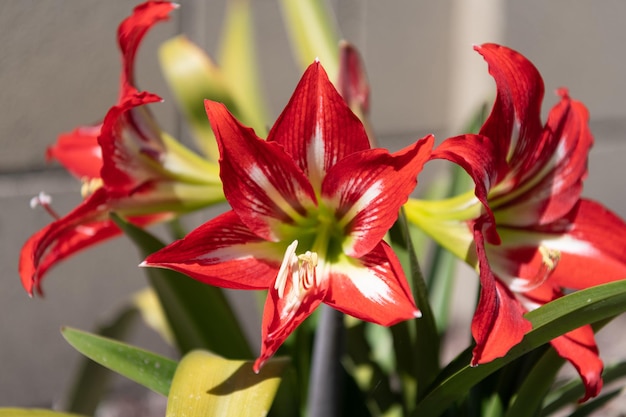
(534, 236)
(128, 166)
(310, 207)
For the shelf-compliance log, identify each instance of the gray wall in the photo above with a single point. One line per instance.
(59, 68)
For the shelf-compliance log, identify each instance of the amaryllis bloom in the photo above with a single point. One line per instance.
(310, 207)
(533, 236)
(127, 164)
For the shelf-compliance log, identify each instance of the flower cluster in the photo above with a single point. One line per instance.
(312, 203)
(127, 164)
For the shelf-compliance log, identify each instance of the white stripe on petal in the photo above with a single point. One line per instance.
(369, 196)
(315, 154)
(259, 177)
(368, 283)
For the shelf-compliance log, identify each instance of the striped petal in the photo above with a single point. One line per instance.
(593, 250)
(368, 188)
(317, 128)
(222, 252)
(514, 123)
(289, 302)
(129, 140)
(87, 225)
(372, 288)
(498, 323)
(261, 182)
(550, 179)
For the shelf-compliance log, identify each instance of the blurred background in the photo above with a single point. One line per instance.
(59, 68)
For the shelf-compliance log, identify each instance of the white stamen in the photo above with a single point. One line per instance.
(42, 199)
(285, 268)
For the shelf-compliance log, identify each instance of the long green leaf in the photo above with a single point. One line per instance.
(199, 314)
(549, 321)
(536, 385)
(34, 412)
(146, 368)
(92, 380)
(208, 385)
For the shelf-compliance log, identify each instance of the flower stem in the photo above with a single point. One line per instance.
(326, 384)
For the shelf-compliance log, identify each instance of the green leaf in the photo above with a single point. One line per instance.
(146, 368)
(199, 314)
(536, 385)
(549, 321)
(34, 412)
(427, 336)
(312, 34)
(92, 380)
(238, 63)
(208, 385)
(370, 363)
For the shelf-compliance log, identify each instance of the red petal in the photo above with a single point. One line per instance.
(132, 30)
(87, 225)
(317, 128)
(280, 319)
(579, 348)
(372, 288)
(550, 175)
(129, 133)
(477, 156)
(593, 250)
(514, 123)
(498, 322)
(78, 151)
(368, 188)
(222, 252)
(261, 181)
(129, 139)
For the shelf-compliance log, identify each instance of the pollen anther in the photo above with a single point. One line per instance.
(301, 269)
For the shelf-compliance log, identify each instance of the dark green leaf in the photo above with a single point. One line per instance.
(549, 321)
(199, 314)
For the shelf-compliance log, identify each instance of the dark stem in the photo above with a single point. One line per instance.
(326, 384)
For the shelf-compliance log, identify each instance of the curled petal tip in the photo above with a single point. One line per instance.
(143, 264)
(257, 366)
(417, 314)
